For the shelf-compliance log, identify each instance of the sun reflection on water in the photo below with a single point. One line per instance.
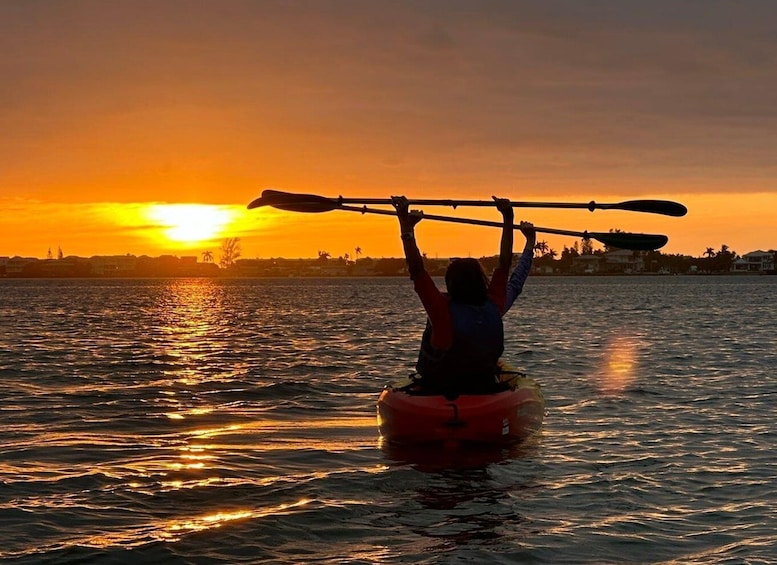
(189, 314)
(206, 429)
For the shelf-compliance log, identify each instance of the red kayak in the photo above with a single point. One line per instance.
(407, 417)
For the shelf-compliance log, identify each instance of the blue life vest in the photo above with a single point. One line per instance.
(469, 365)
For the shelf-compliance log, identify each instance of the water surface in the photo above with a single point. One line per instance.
(207, 421)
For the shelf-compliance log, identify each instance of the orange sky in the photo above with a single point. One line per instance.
(110, 109)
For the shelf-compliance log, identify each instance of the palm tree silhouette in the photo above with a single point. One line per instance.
(541, 246)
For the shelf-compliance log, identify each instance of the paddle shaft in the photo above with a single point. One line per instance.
(645, 241)
(313, 204)
(665, 207)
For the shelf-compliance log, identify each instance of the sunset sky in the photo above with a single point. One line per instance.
(145, 127)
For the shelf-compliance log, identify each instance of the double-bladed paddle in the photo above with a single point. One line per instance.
(665, 207)
(310, 203)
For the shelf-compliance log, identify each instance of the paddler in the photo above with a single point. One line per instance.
(464, 335)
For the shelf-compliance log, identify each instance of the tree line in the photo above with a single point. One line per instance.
(711, 261)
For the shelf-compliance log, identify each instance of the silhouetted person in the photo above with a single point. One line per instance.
(464, 336)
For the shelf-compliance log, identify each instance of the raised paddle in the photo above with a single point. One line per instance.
(666, 207)
(310, 203)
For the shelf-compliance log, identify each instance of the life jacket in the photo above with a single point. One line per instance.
(469, 365)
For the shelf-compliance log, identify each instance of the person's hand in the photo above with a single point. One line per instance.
(407, 219)
(506, 207)
(527, 229)
(401, 205)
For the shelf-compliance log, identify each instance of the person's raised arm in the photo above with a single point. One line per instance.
(527, 229)
(407, 222)
(434, 302)
(506, 244)
(522, 269)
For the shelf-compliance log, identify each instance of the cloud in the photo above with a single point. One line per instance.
(150, 96)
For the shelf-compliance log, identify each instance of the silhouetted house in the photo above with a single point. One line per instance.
(329, 268)
(188, 266)
(294, 267)
(586, 264)
(539, 269)
(364, 267)
(21, 267)
(3, 263)
(623, 261)
(390, 267)
(755, 262)
(113, 265)
(71, 266)
(253, 268)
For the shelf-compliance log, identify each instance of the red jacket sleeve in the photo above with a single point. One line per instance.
(497, 288)
(436, 306)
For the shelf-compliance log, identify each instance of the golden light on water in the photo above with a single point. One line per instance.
(620, 364)
(172, 530)
(186, 466)
(218, 519)
(181, 415)
(211, 520)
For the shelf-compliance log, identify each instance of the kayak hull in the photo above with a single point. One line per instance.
(504, 417)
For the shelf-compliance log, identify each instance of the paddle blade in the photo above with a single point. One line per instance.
(633, 241)
(308, 203)
(666, 207)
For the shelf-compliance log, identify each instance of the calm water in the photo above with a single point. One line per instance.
(199, 421)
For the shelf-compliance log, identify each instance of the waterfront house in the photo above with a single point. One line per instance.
(586, 264)
(624, 261)
(755, 262)
(16, 266)
(113, 265)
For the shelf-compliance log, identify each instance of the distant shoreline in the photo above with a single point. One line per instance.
(228, 276)
(620, 262)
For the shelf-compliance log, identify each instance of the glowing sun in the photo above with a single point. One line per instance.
(190, 223)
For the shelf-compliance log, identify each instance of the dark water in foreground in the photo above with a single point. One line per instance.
(201, 421)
